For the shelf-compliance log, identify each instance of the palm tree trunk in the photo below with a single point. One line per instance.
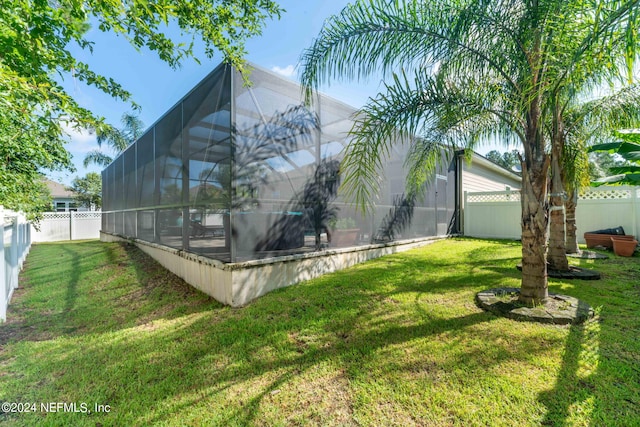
(557, 256)
(571, 244)
(534, 221)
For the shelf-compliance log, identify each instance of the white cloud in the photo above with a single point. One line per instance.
(287, 71)
(81, 140)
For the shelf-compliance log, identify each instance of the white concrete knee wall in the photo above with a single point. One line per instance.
(237, 284)
(201, 273)
(251, 283)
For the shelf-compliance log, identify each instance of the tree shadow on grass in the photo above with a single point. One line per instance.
(224, 366)
(72, 284)
(434, 276)
(595, 382)
(353, 348)
(237, 358)
(94, 287)
(569, 388)
(599, 372)
(242, 361)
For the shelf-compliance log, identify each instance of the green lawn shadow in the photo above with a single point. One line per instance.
(178, 352)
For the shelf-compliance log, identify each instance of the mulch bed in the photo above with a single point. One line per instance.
(573, 273)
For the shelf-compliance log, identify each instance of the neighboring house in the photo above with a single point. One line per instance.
(481, 174)
(477, 174)
(63, 200)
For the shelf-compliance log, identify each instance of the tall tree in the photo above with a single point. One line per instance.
(117, 139)
(601, 163)
(88, 190)
(36, 41)
(508, 159)
(472, 69)
(583, 123)
(566, 115)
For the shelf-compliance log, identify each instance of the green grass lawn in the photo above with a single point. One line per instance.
(395, 341)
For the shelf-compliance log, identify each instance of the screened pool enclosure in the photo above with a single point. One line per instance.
(236, 172)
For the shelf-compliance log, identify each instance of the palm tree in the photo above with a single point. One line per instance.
(117, 139)
(578, 125)
(575, 167)
(475, 69)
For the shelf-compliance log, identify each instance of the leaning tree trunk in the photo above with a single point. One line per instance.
(534, 289)
(571, 243)
(557, 255)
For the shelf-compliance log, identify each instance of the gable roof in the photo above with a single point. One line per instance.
(58, 190)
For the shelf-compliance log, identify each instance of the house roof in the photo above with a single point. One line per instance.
(494, 166)
(58, 190)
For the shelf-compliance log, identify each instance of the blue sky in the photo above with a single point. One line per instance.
(156, 87)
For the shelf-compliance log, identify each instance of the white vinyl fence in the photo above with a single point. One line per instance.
(496, 214)
(16, 236)
(57, 226)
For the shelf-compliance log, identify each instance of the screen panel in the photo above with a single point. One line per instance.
(238, 172)
(145, 169)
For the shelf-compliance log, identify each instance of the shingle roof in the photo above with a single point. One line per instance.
(58, 190)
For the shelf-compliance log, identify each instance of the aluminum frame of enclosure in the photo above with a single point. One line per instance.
(237, 172)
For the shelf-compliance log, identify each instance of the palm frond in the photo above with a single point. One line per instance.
(133, 127)
(628, 149)
(624, 169)
(426, 113)
(617, 110)
(371, 36)
(575, 162)
(97, 157)
(610, 147)
(478, 69)
(120, 139)
(112, 137)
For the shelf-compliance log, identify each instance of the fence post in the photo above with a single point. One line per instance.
(15, 270)
(20, 245)
(71, 225)
(463, 212)
(23, 235)
(28, 225)
(635, 209)
(25, 242)
(3, 274)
